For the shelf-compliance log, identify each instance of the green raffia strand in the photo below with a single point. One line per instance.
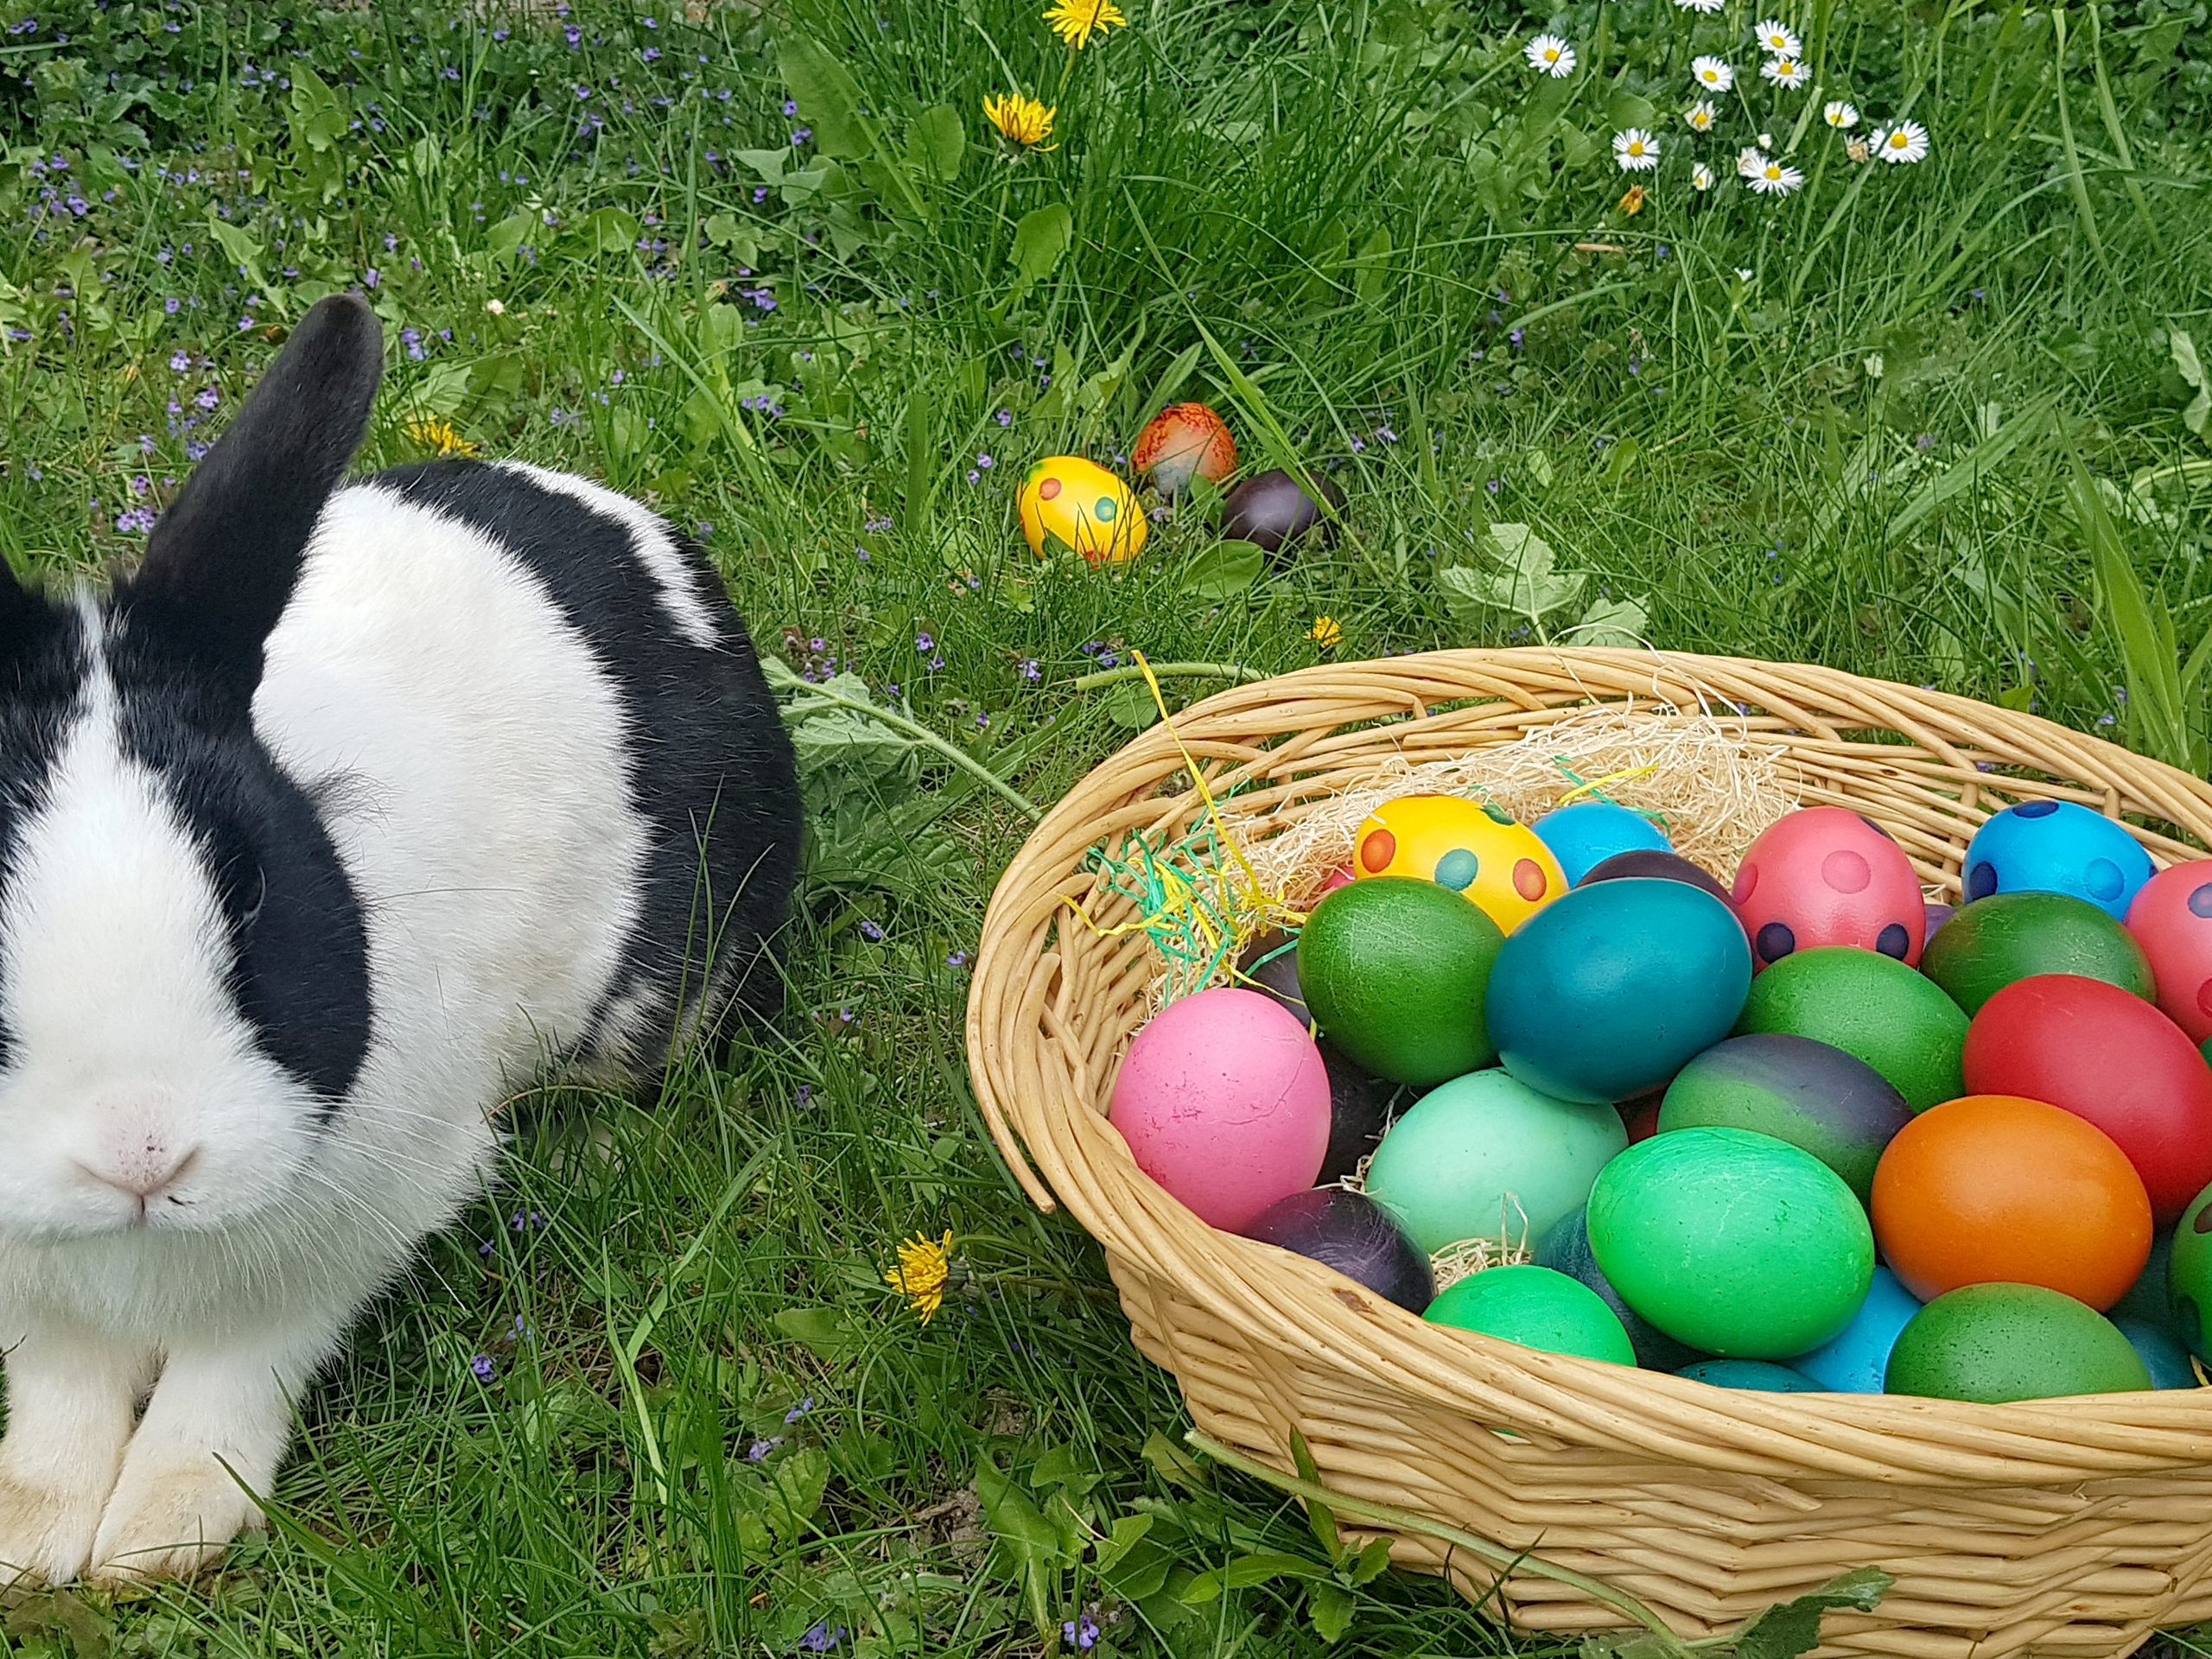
(1506, 1560)
(1176, 922)
(1576, 780)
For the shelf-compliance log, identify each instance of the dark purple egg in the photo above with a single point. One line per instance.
(1359, 1110)
(1271, 510)
(1566, 1249)
(1664, 867)
(1937, 915)
(1359, 1102)
(1353, 1234)
(1269, 966)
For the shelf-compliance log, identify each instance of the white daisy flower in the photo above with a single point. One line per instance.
(1743, 273)
(1788, 73)
(1749, 161)
(1706, 7)
(1714, 75)
(1771, 178)
(1856, 148)
(1699, 116)
(1700, 177)
(1549, 55)
(1637, 151)
(1778, 40)
(1906, 143)
(1840, 115)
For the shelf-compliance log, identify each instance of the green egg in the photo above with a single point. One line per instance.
(1996, 1342)
(1537, 1308)
(2188, 1276)
(1741, 1245)
(1872, 1006)
(1993, 942)
(1832, 1104)
(1486, 1156)
(1395, 971)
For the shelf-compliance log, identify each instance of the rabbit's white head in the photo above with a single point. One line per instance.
(183, 974)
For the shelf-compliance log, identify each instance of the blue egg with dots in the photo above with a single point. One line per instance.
(2056, 847)
(1584, 835)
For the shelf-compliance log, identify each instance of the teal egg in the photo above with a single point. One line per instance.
(1537, 1308)
(1485, 1156)
(2161, 1352)
(1858, 1359)
(1832, 1104)
(1742, 1246)
(1756, 1374)
(1606, 991)
(2148, 1300)
(1586, 834)
(1566, 1249)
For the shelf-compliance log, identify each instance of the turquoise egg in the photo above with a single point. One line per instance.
(2162, 1354)
(1586, 834)
(1606, 991)
(1755, 1373)
(1566, 1249)
(2056, 847)
(1857, 1361)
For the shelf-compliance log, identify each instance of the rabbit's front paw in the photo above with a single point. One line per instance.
(46, 1531)
(171, 1521)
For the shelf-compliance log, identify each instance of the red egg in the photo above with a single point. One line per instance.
(2105, 1055)
(1824, 876)
(2171, 920)
(1183, 440)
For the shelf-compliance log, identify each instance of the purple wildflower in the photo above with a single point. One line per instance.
(484, 1367)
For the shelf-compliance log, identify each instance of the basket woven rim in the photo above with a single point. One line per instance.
(1299, 1311)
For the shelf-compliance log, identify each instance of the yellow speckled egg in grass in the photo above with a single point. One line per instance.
(1477, 851)
(1069, 502)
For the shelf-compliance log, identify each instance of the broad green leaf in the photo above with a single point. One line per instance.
(1173, 1465)
(1613, 622)
(1794, 1628)
(2157, 711)
(510, 233)
(1371, 267)
(822, 1331)
(2197, 418)
(318, 114)
(1223, 571)
(245, 252)
(1526, 580)
(608, 230)
(796, 1483)
(1627, 1644)
(1129, 1531)
(1129, 705)
(1248, 1572)
(1330, 1608)
(936, 143)
(1040, 239)
(829, 98)
(1373, 1563)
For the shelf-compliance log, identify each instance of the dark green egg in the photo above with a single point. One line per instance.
(2188, 1276)
(1395, 971)
(1993, 1344)
(1993, 942)
(1832, 1104)
(1871, 1006)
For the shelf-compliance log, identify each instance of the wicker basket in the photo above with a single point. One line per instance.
(2071, 1526)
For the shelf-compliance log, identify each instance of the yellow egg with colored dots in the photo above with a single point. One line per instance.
(1069, 502)
(1500, 865)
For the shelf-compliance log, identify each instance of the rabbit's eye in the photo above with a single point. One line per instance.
(260, 895)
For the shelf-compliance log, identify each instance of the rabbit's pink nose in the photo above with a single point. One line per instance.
(142, 1171)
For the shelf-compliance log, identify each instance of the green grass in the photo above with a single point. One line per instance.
(1352, 224)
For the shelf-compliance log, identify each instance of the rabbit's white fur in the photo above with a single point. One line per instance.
(468, 752)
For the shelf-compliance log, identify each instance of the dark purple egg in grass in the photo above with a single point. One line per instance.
(1351, 1233)
(1273, 512)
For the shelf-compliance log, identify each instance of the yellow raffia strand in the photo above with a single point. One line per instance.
(1598, 786)
(1197, 921)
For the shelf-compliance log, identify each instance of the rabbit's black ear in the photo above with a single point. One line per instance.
(222, 562)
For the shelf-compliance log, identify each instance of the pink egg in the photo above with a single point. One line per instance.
(1828, 876)
(1342, 877)
(1224, 1102)
(2171, 920)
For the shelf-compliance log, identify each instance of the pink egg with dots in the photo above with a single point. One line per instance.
(1827, 876)
(2171, 920)
(1224, 1101)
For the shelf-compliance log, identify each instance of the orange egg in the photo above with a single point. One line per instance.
(1995, 1189)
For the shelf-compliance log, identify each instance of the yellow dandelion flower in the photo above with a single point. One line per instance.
(924, 1266)
(440, 437)
(1632, 203)
(1022, 122)
(1325, 632)
(1076, 21)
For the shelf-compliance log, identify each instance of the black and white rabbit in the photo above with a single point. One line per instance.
(317, 836)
